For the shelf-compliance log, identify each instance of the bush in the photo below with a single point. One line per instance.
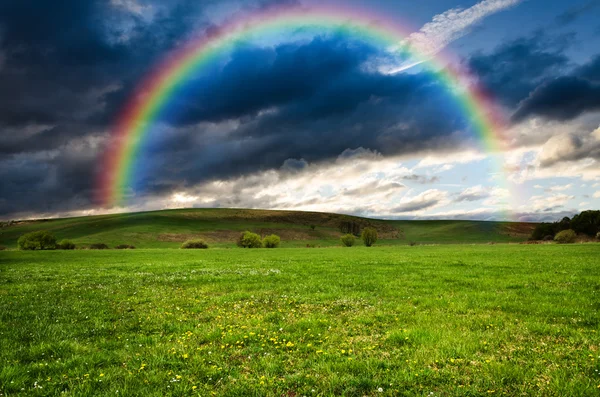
(566, 237)
(271, 241)
(548, 238)
(598, 236)
(249, 240)
(2, 248)
(41, 240)
(369, 236)
(124, 247)
(65, 245)
(194, 244)
(98, 246)
(348, 240)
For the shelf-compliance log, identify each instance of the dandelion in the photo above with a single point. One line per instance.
(380, 390)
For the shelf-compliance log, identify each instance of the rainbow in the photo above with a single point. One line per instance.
(160, 86)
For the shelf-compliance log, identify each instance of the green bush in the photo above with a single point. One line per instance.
(98, 246)
(369, 236)
(249, 240)
(348, 240)
(566, 237)
(124, 247)
(194, 244)
(65, 245)
(271, 241)
(41, 240)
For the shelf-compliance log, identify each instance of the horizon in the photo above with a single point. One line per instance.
(451, 110)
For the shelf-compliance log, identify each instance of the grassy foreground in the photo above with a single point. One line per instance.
(428, 320)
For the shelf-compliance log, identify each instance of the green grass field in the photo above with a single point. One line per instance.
(221, 227)
(448, 320)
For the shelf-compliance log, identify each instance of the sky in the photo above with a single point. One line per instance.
(317, 122)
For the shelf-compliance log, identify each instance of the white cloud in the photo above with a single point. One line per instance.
(447, 27)
(597, 194)
(424, 201)
(547, 203)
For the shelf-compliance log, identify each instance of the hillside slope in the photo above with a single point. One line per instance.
(221, 227)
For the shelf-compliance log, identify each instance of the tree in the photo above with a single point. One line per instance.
(249, 240)
(271, 241)
(41, 240)
(350, 227)
(348, 240)
(566, 237)
(369, 236)
(588, 222)
(542, 230)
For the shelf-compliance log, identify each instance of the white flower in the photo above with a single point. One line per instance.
(380, 390)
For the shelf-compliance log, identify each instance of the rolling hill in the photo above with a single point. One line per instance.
(221, 227)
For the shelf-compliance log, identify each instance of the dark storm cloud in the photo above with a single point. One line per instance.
(59, 62)
(565, 97)
(309, 101)
(534, 77)
(561, 99)
(516, 68)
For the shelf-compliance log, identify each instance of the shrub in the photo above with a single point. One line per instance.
(194, 244)
(369, 236)
(65, 245)
(548, 238)
(124, 247)
(98, 246)
(313, 227)
(413, 243)
(249, 240)
(41, 240)
(2, 248)
(271, 241)
(566, 237)
(598, 236)
(348, 240)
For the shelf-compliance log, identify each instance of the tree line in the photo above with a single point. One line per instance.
(585, 223)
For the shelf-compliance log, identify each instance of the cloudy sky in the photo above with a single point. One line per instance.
(324, 122)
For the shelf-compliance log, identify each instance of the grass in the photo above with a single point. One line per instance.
(221, 227)
(453, 320)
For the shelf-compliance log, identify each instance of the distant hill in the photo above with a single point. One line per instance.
(221, 227)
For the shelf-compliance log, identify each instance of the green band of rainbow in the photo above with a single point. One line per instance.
(158, 89)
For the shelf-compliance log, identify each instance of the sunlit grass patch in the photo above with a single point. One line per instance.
(379, 321)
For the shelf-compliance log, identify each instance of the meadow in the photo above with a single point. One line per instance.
(220, 227)
(445, 320)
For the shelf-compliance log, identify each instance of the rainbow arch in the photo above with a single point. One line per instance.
(159, 87)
